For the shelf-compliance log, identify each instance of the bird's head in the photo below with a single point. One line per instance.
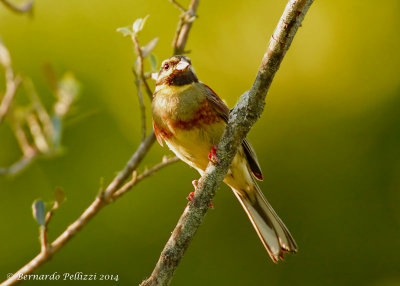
(176, 71)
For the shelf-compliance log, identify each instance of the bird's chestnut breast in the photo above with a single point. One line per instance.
(204, 115)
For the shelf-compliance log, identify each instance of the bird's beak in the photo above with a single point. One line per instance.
(182, 65)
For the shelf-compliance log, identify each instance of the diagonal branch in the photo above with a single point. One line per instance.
(241, 119)
(177, 5)
(147, 173)
(114, 190)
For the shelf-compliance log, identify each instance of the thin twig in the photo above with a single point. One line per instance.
(141, 103)
(21, 164)
(179, 6)
(43, 229)
(241, 119)
(50, 213)
(184, 26)
(140, 71)
(27, 149)
(29, 152)
(24, 8)
(43, 239)
(12, 81)
(132, 164)
(37, 133)
(147, 173)
(42, 113)
(11, 91)
(139, 80)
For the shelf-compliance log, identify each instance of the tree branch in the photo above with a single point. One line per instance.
(113, 191)
(241, 119)
(185, 24)
(147, 173)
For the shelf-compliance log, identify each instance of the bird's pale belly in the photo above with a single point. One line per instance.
(193, 147)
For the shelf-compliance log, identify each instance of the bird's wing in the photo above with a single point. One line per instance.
(216, 102)
(252, 160)
(223, 111)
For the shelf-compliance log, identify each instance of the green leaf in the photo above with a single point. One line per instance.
(126, 31)
(153, 62)
(59, 195)
(39, 213)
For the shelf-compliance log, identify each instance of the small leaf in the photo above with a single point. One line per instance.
(59, 195)
(5, 59)
(154, 76)
(67, 93)
(139, 24)
(146, 50)
(38, 210)
(191, 19)
(57, 131)
(153, 62)
(126, 31)
(149, 47)
(136, 25)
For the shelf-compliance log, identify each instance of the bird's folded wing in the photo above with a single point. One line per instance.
(223, 111)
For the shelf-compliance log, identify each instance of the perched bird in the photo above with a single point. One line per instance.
(191, 119)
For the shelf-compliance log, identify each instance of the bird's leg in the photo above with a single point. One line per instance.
(190, 197)
(213, 155)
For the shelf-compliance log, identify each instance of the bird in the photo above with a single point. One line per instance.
(190, 118)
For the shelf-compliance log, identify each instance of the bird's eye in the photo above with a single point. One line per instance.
(166, 66)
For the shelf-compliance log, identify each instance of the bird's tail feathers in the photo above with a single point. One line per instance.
(274, 235)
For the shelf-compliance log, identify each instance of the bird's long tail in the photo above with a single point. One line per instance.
(274, 235)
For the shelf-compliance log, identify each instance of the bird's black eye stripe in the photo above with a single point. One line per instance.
(166, 66)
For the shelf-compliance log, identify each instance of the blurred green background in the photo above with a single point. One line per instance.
(328, 142)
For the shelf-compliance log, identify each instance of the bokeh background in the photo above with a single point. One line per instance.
(328, 142)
